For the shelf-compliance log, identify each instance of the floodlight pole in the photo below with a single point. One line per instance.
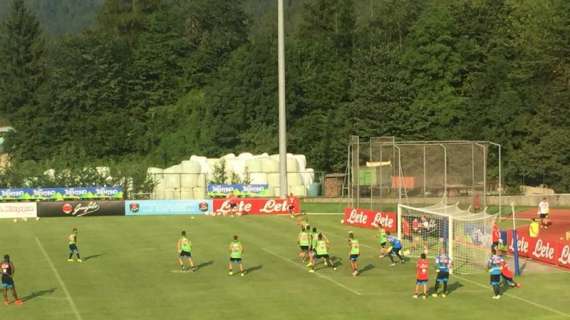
(282, 113)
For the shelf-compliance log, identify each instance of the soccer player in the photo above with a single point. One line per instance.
(543, 212)
(507, 273)
(382, 240)
(236, 251)
(322, 252)
(313, 249)
(304, 242)
(73, 249)
(396, 245)
(291, 205)
(354, 247)
(443, 264)
(184, 250)
(422, 270)
(8, 271)
(494, 265)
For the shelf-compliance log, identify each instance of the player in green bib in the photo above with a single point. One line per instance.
(322, 252)
(236, 251)
(314, 236)
(73, 249)
(184, 249)
(304, 241)
(382, 240)
(354, 246)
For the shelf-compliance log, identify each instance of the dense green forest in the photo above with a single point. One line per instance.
(150, 82)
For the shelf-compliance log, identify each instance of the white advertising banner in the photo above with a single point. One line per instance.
(18, 210)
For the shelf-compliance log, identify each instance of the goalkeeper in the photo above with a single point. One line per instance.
(443, 265)
(395, 248)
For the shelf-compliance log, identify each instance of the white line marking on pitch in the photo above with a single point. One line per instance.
(317, 274)
(61, 283)
(519, 298)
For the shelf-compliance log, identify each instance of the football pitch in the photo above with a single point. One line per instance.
(130, 271)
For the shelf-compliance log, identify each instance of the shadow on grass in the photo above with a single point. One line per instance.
(36, 294)
(454, 286)
(204, 264)
(255, 268)
(368, 267)
(93, 256)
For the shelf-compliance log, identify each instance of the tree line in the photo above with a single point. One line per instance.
(153, 81)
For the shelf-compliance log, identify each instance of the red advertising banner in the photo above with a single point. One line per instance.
(243, 206)
(548, 250)
(365, 218)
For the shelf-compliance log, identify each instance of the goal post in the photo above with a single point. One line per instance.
(465, 236)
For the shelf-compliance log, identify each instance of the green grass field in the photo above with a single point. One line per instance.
(130, 272)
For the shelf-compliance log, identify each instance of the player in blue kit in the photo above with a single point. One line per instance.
(494, 266)
(8, 270)
(443, 265)
(396, 245)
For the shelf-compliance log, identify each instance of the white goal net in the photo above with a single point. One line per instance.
(465, 236)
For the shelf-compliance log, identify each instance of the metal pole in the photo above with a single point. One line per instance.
(282, 114)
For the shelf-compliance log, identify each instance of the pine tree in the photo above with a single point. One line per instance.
(22, 61)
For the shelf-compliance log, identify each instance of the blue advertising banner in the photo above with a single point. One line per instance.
(167, 207)
(60, 194)
(242, 190)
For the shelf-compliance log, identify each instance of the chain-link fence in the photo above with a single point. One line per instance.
(423, 172)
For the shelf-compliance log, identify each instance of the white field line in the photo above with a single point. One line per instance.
(540, 306)
(316, 273)
(61, 283)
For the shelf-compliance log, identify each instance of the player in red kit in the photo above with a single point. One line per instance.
(507, 274)
(422, 270)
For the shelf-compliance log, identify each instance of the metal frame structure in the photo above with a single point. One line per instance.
(354, 150)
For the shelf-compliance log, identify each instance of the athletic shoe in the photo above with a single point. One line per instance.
(415, 296)
(79, 260)
(518, 285)
(311, 270)
(443, 295)
(230, 273)
(309, 264)
(424, 297)
(334, 268)
(393, 264)
(434, 295)
(19, 302)
(242, 274)
(69, 260)
(326, 264)
(497, 297)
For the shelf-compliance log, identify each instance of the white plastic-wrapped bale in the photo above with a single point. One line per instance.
(302, 161)
(187, 193)
(292, 164)
(254, 165)
(171, 194)
(308, 176)
(245, 155)
(273, 179)
(157, 176)
(269, 165)
(172, 177)
(237, 166)
(294, 179)
(199, 193)
(189, 173)
(258, 178)
(298, 190)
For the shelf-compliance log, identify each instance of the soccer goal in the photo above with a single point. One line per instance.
(465, 236)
